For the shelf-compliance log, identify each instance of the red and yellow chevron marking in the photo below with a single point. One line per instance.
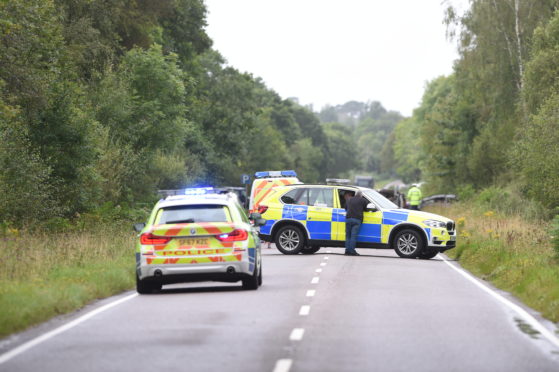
(154, 260)
(265, 187)
(185, 229)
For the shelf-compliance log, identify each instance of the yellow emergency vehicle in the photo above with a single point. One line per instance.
(198, 236)
(264, 182)
(302, 218)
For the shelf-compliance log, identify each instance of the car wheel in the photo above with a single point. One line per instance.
(290, 240)
(312, 249)
(260, 276)
(146, 287)
(408, 243)
(252, 281)
(428, 254)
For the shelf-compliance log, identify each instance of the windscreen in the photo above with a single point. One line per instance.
(193, 213)
(379, 200)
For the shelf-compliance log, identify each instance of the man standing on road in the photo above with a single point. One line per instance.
(414, 196)
(353, 219)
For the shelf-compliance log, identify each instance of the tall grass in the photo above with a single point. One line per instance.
(45, 274)
(509, 249)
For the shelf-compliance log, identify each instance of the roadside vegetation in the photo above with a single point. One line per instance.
(60, 268)
(510, 244)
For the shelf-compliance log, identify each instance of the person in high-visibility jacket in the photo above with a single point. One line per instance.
(414, 197)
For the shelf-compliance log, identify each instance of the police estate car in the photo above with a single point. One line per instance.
(199, 236)
(302, 218)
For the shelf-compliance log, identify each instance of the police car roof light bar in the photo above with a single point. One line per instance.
(199, 191)
(283, 173)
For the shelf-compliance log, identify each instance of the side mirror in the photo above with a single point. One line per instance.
(371, 207)
(257, 219)
(139, 226)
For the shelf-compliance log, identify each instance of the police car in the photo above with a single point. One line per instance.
(198, 236)
(302, 218)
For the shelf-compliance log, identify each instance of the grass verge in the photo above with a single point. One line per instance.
(513, 253)
(43, 275)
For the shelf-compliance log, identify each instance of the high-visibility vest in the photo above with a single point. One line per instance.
(414, 196)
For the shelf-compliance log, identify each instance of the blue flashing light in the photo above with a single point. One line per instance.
(283, 173)
(199, 191)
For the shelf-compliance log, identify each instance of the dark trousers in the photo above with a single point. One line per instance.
(352, 226)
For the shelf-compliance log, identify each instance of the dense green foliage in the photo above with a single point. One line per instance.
(107, 101)
(494, 120)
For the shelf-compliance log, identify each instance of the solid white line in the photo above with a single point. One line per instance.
(36, 341)
(315, 280)
(311, 292)
(283, 365)
(318, 270)
(297, 334)
(520, 311)
(305, 310)
(323, 264)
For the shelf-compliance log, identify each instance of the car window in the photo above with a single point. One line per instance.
(297, 196)
(243, 214)
(321, 197)
(193, 213)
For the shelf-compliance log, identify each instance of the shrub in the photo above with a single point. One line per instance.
(555, 235)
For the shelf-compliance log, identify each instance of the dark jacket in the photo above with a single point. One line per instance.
(355, 207)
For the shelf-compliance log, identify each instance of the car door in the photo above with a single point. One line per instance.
(371, 229)
(319, 213)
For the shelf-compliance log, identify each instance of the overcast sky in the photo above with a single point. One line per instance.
(333, 51)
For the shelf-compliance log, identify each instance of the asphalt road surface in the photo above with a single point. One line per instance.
(321, 312)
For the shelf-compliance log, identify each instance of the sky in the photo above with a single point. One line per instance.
(333, 51)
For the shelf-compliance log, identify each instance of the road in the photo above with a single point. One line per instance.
(322, 312)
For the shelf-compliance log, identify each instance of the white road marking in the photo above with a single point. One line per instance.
(311, 292)
(318, 270)
(517, 309)
(305, 310)
(328, 251)
(323, 264)
(326, 257)
(297, 334)
(283, 365)
(36, 341)
(315, 280)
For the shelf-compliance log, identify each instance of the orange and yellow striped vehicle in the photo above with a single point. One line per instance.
(200, 236)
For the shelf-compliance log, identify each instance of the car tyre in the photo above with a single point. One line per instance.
(408, 243)
(290, 240)
(312, 249)
(146, 287)
(251, 282)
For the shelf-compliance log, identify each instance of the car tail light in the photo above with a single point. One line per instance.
(262, 209)
(233, 236)
(150, 239)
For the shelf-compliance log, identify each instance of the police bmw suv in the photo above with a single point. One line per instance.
(302, 218)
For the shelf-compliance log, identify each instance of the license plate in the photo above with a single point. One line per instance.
(194, 242)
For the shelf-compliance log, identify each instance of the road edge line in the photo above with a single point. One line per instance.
(520, 311)
(45, 336)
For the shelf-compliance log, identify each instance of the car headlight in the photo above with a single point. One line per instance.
(435, 223)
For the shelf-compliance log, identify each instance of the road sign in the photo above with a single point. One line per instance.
(245, 179)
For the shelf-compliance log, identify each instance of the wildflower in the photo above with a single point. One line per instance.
(489, 214)
(461, 222)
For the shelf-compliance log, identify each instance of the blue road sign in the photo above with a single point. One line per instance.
(245, 179)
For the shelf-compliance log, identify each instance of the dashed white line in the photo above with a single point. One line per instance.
(520, 311)
(311, 292)
(323, 264)
(318, 270)
(297, 334)
(326, 258)
(328, 251)
(315, 280)
(36, 341)
(283, 365)
(305, 310)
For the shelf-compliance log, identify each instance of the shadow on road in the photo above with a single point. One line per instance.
(202, 289)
